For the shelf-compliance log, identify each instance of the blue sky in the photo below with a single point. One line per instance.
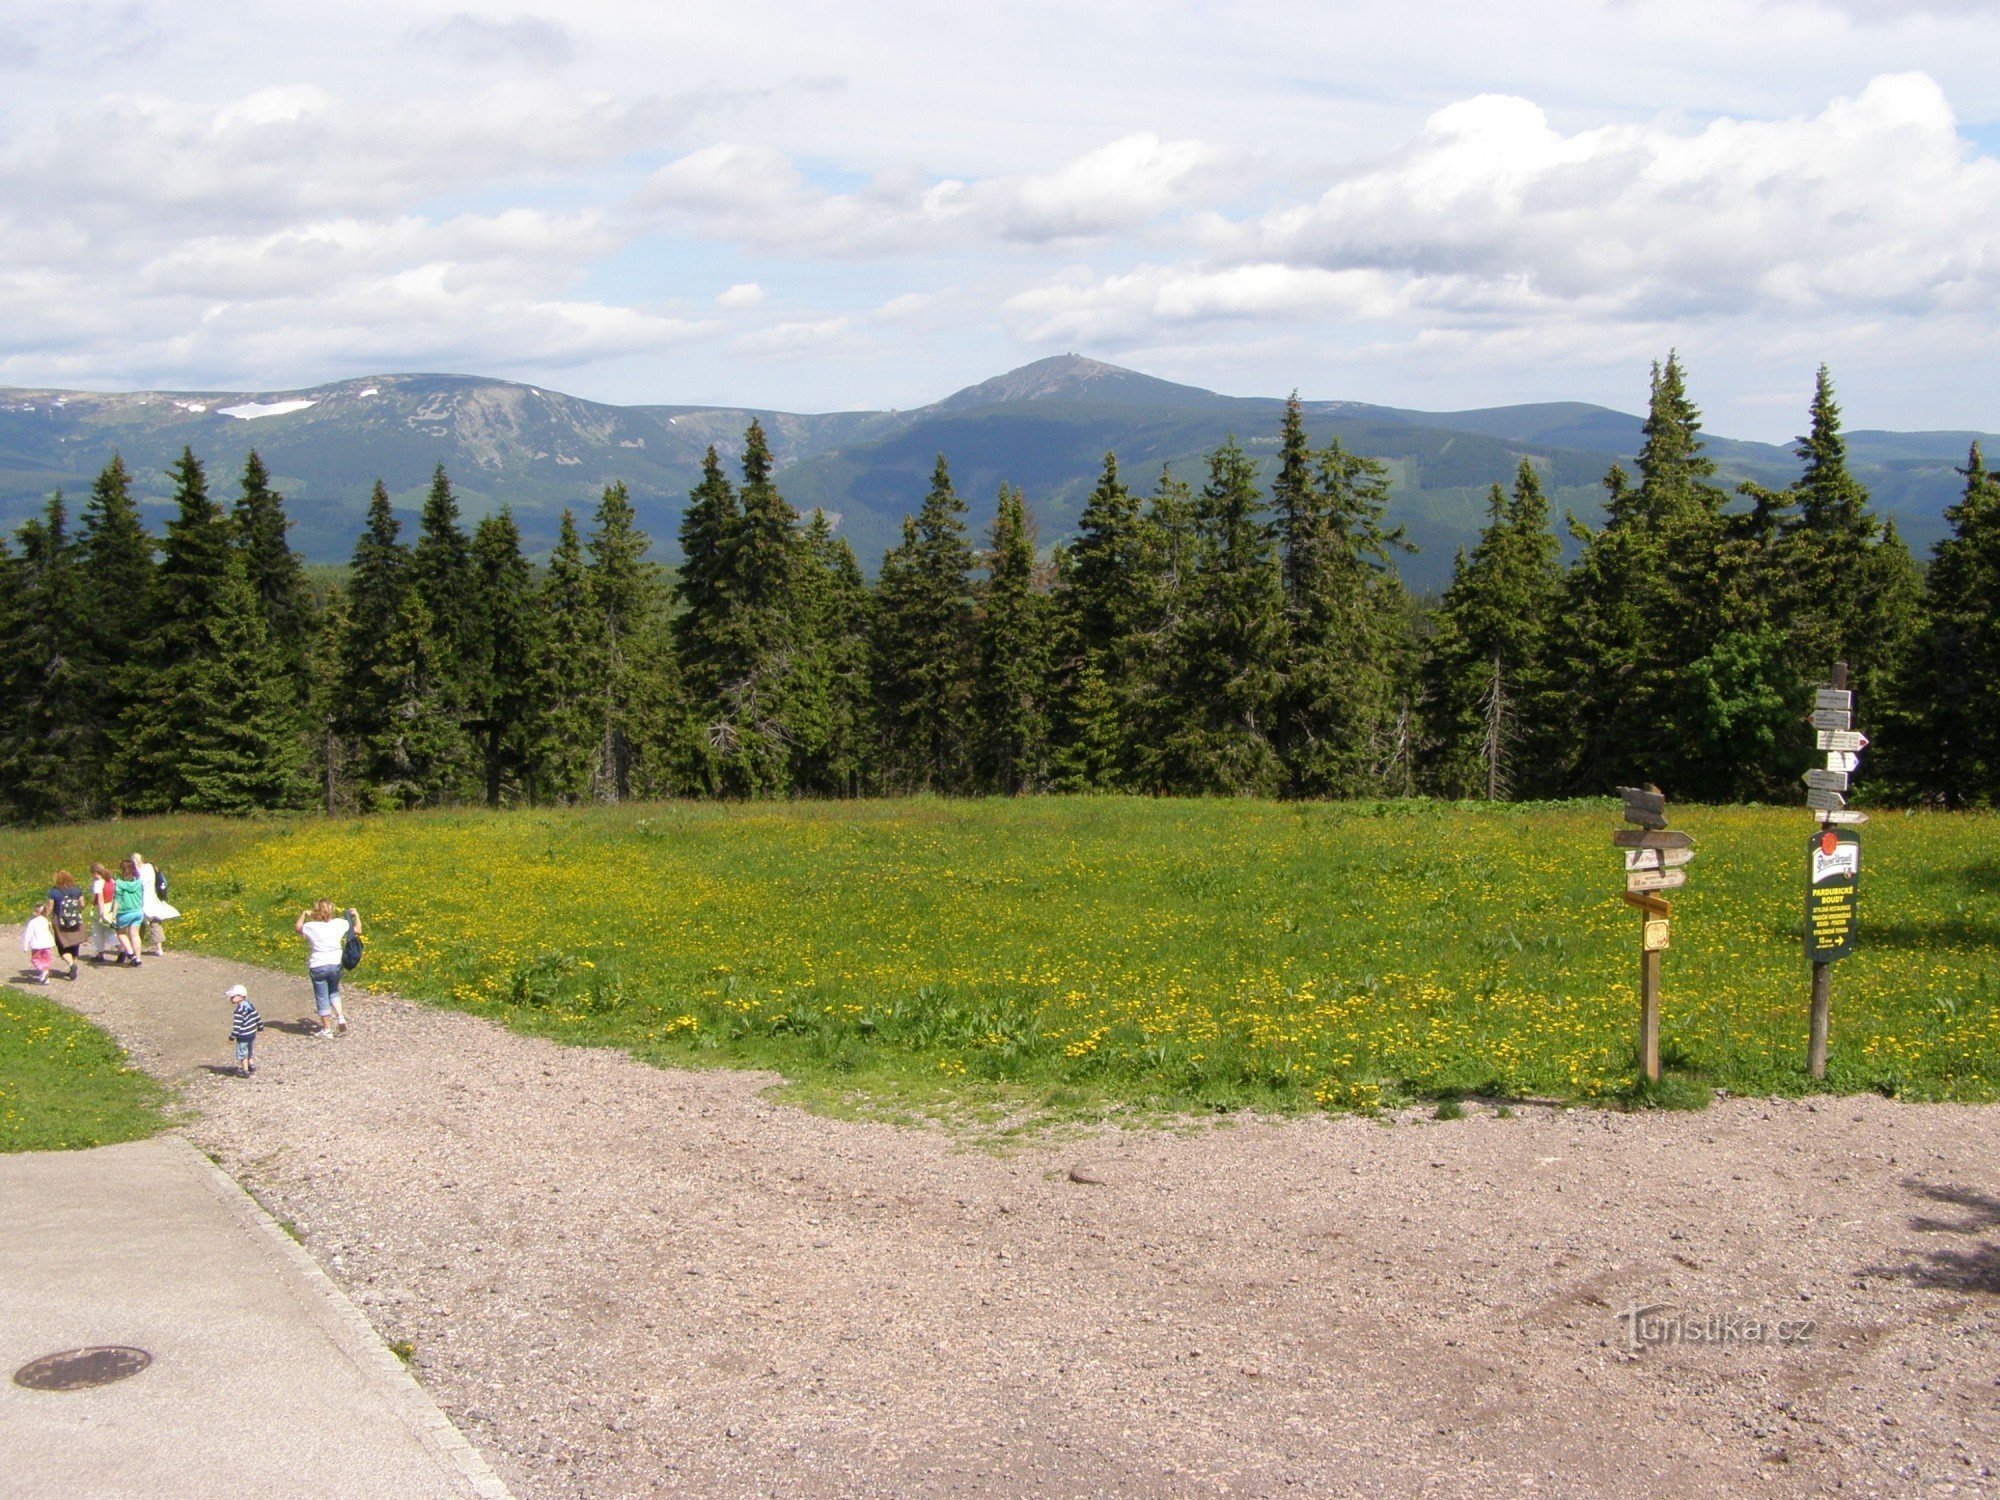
(817, 207)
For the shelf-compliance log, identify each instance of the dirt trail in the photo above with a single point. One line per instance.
(624, 1281)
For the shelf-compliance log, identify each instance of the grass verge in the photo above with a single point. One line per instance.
(65, 1084)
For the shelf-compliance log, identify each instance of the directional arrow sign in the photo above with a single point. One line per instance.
(1844, 761)
(1645, 801)
(1825, 801)
(1852, 741)
(1838, 698)
(1827, 781)
(1655, 880)
(1832, 719)
(1848, 817)
(1669, 838)
(1656, 859)
(1652, 906)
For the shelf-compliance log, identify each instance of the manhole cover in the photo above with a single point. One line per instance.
(79, 1369)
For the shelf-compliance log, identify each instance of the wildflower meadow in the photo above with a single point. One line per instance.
(1085, 952)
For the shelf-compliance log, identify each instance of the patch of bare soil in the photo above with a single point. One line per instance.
(624, 1281)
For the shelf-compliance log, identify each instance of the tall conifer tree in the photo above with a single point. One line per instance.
(923, 647)
(568, 732)
(48, 768)
(1011, 701)
(1485, 669)
(172, 701)
(509, 606)
(1225, 690)
(246, 754)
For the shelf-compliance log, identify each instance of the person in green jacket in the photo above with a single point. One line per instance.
(128, 910)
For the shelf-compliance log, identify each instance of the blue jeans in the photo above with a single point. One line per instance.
(326, 988)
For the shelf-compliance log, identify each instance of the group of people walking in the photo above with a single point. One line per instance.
(120, 912)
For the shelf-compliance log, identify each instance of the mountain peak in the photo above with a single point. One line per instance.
(1073, 377)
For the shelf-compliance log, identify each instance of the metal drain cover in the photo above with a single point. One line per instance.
(80, 1369)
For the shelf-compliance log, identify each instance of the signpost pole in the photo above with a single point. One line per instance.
(1822, 1003)
(1822, 973)
(1649, 1013)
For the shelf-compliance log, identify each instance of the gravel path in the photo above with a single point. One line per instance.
(625, 1281)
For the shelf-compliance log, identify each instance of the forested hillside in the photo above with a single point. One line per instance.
(1043, 428)
(1216, 635)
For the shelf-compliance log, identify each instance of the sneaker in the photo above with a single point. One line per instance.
(71, 975)
(323, 1034)
(341, 1026)
(249, 1067)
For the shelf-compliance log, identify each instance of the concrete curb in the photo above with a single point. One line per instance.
(351, 1332)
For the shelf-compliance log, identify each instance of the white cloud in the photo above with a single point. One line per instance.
(1492, 213)
(743, 294)
(758, 195)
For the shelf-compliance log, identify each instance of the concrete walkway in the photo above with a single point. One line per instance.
(264, 1381)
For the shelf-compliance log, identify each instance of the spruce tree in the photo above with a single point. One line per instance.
(172, 695)
(418, 755)
(923, 647)
(1098, 695)
(378, 581)
(1485, 668)
(1663, 626)
(48, 769)
(705, 590)
(509, 606)
(624, 591)
(275, 573)
(1162, 624)
(1952, 699)
(1012, 643)
(116, 557)
(331, 756)
(246, 754)
(758, 634)
(1343, 723)
(1225, 688)
(567, 733)
(836, 758)
(441, 570)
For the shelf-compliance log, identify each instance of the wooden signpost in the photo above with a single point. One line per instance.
(1833, 869)
(1655, 856)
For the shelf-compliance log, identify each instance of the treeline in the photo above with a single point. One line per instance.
(1214, 640)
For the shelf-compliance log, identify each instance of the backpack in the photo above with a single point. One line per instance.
(159, 882)
(350, 950)
(69, 910)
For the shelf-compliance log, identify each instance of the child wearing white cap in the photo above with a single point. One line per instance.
(244, 1024)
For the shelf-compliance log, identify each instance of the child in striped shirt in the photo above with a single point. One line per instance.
(244, 1024)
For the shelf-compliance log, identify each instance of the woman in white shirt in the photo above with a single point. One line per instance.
(158, 909)
(324, 934)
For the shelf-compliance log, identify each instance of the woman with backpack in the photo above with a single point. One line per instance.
(328, 939)
(157, 908)
(66, 917)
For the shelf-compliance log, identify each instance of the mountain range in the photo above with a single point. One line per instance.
(1045, 427)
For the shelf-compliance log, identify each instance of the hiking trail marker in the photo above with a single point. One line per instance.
(1833, 857)
(1655, 860)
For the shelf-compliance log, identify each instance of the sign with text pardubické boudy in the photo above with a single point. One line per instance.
(1833, 876)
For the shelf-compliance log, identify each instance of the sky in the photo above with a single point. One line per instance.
(814, 208)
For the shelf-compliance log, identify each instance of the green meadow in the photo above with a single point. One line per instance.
(1096, 954)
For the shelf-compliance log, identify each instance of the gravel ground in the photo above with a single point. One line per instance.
(626, 1281)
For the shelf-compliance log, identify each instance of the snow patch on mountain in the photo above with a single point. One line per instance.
(249, 411)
